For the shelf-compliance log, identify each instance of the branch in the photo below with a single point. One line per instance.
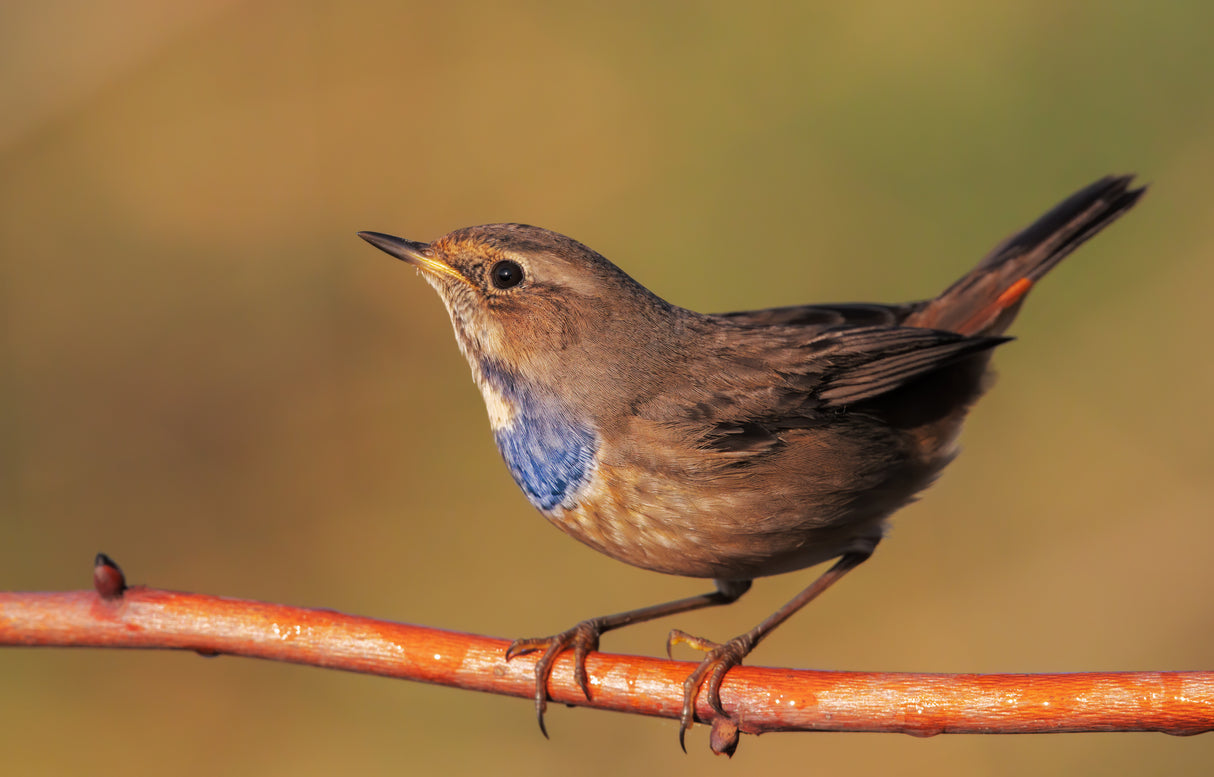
(762, 700)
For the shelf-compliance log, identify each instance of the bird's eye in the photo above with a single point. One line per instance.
(506, 274)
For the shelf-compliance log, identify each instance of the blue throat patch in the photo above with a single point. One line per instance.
(550, 455)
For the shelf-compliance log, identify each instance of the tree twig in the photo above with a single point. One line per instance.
(762, 699)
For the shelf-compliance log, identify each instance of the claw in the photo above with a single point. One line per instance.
(680, 637)
(720, 659)
(583, 638)
(581, 649)
(520, 647)
(714, 685)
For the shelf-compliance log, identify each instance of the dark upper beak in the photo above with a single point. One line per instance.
(416, 254)
(407, 250)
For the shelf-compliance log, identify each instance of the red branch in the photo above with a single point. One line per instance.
(763, 699)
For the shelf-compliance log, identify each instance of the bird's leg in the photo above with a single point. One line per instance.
(725, 656)
(584, 637)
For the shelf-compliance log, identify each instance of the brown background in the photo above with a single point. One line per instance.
(206, 375)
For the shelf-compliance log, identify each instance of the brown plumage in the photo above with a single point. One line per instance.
(729, 446)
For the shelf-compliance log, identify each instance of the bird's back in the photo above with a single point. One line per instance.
(782, 437)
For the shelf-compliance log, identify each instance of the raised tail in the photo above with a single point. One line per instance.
(985, 301)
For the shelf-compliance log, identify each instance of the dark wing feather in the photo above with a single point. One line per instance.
(824, 317)
(778, 381)
(876, 360)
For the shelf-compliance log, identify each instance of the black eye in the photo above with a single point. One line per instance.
(506, 274)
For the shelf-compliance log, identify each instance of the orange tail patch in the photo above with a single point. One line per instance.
(1010, 296)
(1013, 293)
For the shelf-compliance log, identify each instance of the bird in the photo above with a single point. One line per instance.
(725, 446)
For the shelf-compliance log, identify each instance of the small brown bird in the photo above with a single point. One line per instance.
(730, 446)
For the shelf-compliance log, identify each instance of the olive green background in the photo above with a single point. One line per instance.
(207, 376)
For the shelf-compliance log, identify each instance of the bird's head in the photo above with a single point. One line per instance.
(532, 301)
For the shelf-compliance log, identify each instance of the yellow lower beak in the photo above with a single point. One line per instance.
(416, 254)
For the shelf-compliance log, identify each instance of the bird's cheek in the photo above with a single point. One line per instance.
(493, 339)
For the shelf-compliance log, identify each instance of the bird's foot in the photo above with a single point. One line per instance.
(583, 638)
(712, 670)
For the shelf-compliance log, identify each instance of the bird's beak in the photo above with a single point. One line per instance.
(416, 254)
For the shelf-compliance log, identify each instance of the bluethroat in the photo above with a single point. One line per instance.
(729, 446)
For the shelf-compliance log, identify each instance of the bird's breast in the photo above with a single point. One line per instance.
(550, 451)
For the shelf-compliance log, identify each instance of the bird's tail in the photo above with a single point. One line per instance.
(985, 301)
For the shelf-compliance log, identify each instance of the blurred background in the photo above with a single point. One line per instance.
(207, 376)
